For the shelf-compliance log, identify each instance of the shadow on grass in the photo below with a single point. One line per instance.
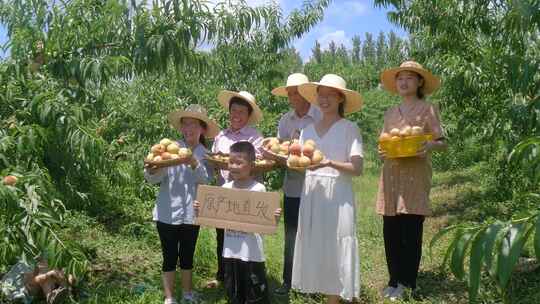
(434, 284)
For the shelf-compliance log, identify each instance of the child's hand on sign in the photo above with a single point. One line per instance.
(196, 207)
(277, 213)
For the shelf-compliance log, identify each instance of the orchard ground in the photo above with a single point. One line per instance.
(126, 256)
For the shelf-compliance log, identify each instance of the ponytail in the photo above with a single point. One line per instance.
(202, 138)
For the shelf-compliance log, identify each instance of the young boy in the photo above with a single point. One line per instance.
(243, 252)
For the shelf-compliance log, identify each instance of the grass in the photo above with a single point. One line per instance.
(126, 257)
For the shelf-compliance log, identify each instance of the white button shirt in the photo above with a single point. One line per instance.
(289, 127)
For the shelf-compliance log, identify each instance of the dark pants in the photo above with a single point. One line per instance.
(177, 244)
(245, 282)
(291, 207)
(403, 247)
(220, 237)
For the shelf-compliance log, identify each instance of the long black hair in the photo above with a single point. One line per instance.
(420, 90)
(341, 107)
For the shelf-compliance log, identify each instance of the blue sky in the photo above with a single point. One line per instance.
(342, 20)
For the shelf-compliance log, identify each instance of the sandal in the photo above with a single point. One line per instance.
(58, 295)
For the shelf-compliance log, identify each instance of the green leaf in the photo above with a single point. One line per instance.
(459, 252)
(510, 250)
(475, 263)
(452, 246)
(490, 238)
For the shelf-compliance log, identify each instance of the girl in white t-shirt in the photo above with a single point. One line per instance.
(243, 252)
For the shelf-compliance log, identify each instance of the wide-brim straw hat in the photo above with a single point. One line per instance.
(224, 98)
(431, 82)
(294, 80)
(353, 100)
(194, 111)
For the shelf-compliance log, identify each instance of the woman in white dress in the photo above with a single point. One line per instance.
(326, 256)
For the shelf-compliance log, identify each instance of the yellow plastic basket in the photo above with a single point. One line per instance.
(403, 146)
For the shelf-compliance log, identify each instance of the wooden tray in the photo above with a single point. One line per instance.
(298, 169)
(166, 163)
(219, 163)
(268, 165)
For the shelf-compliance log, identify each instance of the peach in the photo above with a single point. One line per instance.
(157, 149)
(173, 148)
(385, 136)
(317, 157)
(310, 142)
(304, 161)
(406, 131)
(284, 149)
(10, 180)
(307, 150)
(293, 160)
(295, 149)
(416, 130)
(165, 155)
(394, 132)
(184, 152)
(150, 156)
(157, 158)
(165, 142)
(275, 148)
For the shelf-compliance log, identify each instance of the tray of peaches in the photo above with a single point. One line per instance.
(167, 153)
(404, 142)
(297, 156)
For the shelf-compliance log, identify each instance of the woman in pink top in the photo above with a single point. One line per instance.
(243, 114)
(403, 197)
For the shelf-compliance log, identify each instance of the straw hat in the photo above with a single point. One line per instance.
(224, 97)
(353, 99)
(431, 82)
(293, 80)
(194, 111)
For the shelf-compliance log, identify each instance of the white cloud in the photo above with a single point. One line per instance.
(339, 37)
(348, 9)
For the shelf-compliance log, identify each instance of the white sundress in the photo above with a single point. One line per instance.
(326, 256)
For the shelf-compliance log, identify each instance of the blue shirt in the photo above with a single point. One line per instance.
(178, 188)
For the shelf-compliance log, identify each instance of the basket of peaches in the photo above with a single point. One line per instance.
(404, 142)
(292, 154)
(167, 153)
(221, 161)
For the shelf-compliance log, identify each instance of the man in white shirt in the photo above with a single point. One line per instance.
(301, 115)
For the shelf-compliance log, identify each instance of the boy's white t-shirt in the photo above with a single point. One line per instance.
(244, 246)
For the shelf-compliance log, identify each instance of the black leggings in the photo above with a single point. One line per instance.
(177, 243)
(220, 238)
(403, 247)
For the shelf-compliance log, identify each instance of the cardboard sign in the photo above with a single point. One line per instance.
(236, 209)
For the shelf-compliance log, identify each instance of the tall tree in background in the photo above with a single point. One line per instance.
(382, 50)
(369, 55)
(317, 52)
(356, 49)
(396, 50)
(332, 49)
